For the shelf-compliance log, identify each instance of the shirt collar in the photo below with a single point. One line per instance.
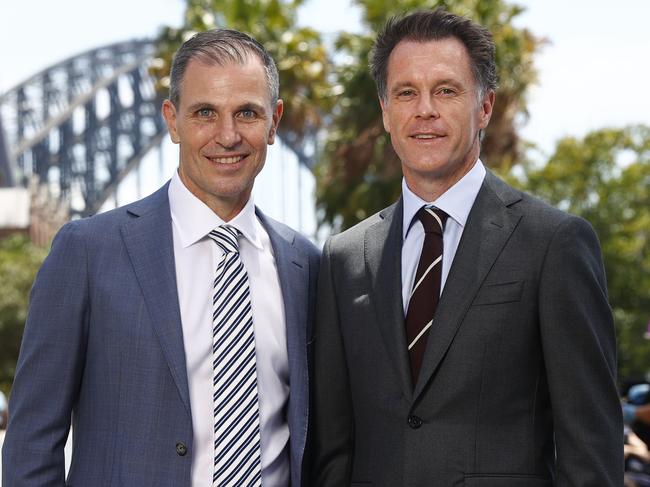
(194, 219)
(457, 201)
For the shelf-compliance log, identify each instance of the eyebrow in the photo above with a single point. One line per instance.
(449, 81)
(400, 85)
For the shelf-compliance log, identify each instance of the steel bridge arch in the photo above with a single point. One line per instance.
(80, 126)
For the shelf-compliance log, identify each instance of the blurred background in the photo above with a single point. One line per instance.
(81, 84)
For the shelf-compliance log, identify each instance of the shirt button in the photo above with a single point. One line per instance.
(414, 422)
(181, 449)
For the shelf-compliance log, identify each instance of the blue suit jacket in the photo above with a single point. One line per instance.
(103, 348)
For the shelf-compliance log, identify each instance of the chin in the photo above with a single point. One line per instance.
(431, 168)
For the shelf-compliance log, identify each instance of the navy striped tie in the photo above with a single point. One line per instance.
(236, 407)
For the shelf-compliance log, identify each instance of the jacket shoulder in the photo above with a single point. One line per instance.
(542, 213)
(105, 225)
(356, 233)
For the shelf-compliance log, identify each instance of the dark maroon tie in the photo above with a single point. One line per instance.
(426, 288)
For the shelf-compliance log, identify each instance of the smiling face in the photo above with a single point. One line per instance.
(433, 113)
(223, 122)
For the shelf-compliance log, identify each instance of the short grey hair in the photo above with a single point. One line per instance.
(222, 46)
(426, 25)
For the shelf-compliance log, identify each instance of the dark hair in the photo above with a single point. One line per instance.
(423, 26)
(221, 46)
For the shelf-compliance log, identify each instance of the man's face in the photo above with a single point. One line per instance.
(433, 113)
(223, 123)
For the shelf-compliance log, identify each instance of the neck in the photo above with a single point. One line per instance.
(225, 207)
(429, 187)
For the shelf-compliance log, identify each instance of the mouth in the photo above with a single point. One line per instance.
(226, 160)
(426, 136)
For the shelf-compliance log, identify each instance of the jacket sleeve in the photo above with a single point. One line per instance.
(333, 424)
(50, 367)
(579, 343)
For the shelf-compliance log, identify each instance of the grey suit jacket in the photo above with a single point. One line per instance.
(103, 347)
(517, 386)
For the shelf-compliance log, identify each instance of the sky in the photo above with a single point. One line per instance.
(594, 71)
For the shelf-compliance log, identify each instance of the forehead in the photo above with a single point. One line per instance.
(420, 60)
(231, 81)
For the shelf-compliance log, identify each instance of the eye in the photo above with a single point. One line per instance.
(205, 112)
(405, 93)
(247, 114)
(446, 91)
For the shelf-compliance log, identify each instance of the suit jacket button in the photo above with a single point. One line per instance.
(181, 449)
(414, 422)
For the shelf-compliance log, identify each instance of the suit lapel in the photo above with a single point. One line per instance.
(149, 241)
(383, 250)
(488, 227)
(293, 272)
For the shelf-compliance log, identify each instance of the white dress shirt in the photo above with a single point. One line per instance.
(457, 202)
(196, 257)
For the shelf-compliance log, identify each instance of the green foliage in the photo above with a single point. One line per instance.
(605, 178)
(19, 261)
(359, 173)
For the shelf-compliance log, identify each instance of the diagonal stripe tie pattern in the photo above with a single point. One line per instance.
(426, 288)
(236, 409)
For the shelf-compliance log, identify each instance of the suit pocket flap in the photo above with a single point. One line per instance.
(506, 292)
(506, 481)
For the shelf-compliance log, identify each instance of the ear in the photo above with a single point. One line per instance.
(487, 104)
(277, 115)
(384, 115)
(169, 114)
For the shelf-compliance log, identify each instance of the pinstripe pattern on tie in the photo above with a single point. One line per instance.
(236, 407)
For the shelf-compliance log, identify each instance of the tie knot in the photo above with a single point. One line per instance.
(433, 219)
(225, 237)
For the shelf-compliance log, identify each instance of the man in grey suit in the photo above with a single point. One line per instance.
(173, 332)
(463, 334)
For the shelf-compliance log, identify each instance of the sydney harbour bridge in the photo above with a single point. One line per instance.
(80, 126)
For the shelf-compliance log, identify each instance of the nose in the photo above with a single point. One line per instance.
(426, 107)
(227, 133)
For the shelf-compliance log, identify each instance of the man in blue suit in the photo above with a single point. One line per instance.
(173, 333)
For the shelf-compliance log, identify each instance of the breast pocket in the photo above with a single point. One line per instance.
(499, 293)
